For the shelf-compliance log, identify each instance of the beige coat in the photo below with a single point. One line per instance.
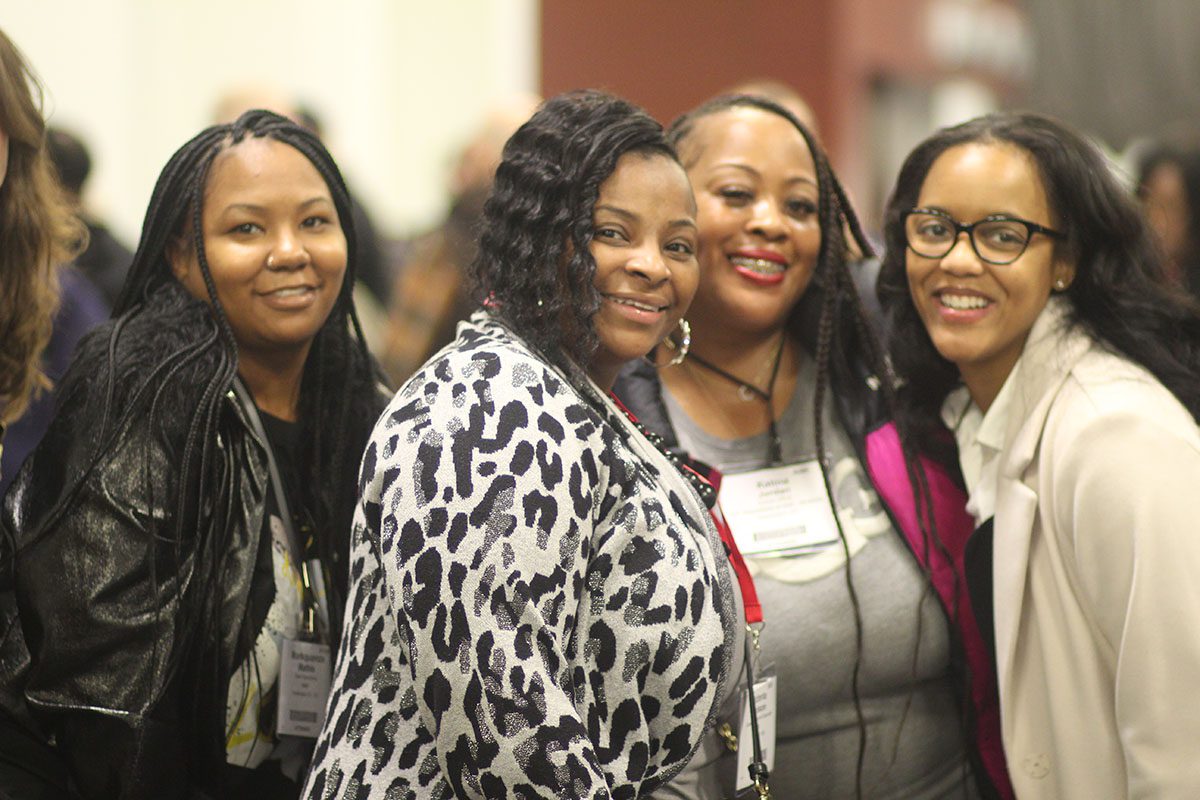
(1097, 577)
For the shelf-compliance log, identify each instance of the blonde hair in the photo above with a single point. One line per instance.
(38, 231)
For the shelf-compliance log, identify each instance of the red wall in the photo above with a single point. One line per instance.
(669, 55)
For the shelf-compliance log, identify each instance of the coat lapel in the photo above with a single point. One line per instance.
(1050, 352)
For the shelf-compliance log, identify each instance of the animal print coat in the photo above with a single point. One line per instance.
(540, 606)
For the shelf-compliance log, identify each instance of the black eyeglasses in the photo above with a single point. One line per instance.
(998, 239)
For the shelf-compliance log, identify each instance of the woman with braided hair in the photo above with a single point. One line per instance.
(540, 604)
(179, 538)
(784, 396)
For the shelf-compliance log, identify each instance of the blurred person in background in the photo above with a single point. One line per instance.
(1168, 185)
(105, 261)
(1032, 322)
(542, 605)
(882, 690)
(37, 233)
(432, 293)
(180, 536)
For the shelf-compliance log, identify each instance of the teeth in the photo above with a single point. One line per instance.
(636, 304)
(292, 292)
(962, 302)
(760, 265)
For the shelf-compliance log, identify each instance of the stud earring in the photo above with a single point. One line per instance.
(1060, 284)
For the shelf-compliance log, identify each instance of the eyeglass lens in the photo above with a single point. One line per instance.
(999, 241)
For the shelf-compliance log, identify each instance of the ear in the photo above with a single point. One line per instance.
(1063, 273)
(181, 257)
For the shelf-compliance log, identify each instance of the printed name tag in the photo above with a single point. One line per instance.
(764, 704)
(304, 681)
(779, 509)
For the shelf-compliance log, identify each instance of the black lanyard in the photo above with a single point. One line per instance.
(774, 444)
(308, 621)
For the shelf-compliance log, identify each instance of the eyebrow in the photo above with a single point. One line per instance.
(629, 215)
(990, 214)
(257, 209)
(757, 174)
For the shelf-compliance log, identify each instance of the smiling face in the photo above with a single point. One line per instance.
(275, 248)
(644, 246)
(978, 314)
(756, 194)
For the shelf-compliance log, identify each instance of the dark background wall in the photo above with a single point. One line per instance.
(847, 58)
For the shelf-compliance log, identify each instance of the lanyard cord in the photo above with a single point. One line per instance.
(774, 445)
(759, 773)
(308, 621)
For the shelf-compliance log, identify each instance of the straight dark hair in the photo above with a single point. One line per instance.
(1119, 294)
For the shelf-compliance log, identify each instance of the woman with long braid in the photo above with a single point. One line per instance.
(784, 395)
(179, 539)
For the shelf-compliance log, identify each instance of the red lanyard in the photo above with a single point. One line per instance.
(745, 580)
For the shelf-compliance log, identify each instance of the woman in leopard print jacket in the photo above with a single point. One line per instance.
(540, 605)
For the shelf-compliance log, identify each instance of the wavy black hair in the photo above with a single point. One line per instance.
(166, 363)
(1119, 294)
(534, 269)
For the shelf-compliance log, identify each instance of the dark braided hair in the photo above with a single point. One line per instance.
(534, 268)
(172, 380)
(831, 322)
(1119, 294)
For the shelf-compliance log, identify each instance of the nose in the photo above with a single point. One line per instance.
(288, 251)
(648, 264)
(767, 219)
(962, 259)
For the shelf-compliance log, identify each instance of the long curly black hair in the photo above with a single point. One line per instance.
(165, 364)
(1119, 294)
(534, 269)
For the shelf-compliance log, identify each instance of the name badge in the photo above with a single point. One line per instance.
(779, 509)
(304, 682)
(764, 704)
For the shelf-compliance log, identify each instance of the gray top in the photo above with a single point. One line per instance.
(915, 745)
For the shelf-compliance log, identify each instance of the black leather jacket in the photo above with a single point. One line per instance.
(90, 611)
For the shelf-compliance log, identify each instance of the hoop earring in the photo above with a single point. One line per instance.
(685, 343)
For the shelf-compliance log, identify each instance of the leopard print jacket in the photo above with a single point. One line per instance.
(540, 606)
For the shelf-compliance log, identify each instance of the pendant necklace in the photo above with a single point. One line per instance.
(748, 391)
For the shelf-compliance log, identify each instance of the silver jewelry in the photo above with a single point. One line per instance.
(1060, 284)
(685, 342)
(270, 261)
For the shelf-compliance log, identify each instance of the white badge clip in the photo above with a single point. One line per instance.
(764, 703)
(305, 670)
(779, 509)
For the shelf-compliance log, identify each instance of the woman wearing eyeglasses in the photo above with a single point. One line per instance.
(1030, 317)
